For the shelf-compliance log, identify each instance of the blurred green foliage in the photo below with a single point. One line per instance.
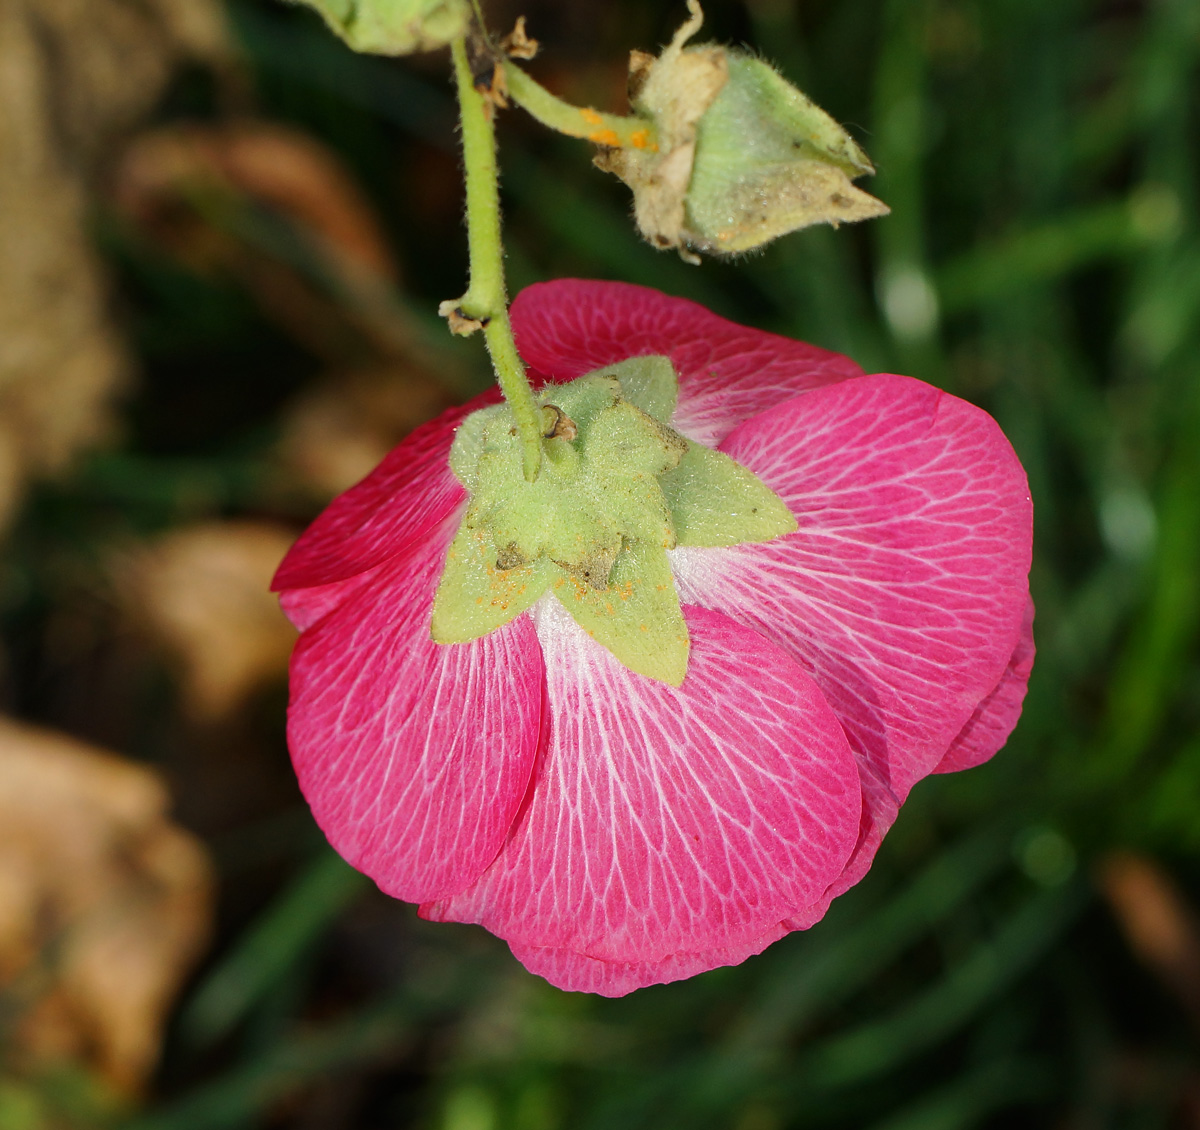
(1042, 259)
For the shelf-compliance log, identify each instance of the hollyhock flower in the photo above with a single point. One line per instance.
(615, 829)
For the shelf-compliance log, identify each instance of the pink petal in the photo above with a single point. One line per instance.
(879, 810)
(306, 607)
(981, 738)
(396, 505)
(414, 756)
(577, 973)
(665, 822)
(994, 718)
(904, 590)
(727, 372)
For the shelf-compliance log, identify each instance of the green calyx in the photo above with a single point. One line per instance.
(742, 156)
(770, 161)
(395, 27)
(618, 488)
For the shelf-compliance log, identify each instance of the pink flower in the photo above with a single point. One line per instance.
(616, 831)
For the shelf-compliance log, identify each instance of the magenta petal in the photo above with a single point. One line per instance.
(396, 505)
(306, 607)
(578, 973)
(994, 718)
(904, 590)
(668, 821)
(414, 756)
(727, 373)
(879, 810)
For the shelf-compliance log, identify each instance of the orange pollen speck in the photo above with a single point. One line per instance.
(640, 139)
(605, 137)
(608, 607)
(591, 117)
(558, 584)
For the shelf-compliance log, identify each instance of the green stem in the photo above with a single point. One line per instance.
(575, 121)
(486, 300)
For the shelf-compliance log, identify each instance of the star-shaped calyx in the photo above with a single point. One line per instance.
(618, 488)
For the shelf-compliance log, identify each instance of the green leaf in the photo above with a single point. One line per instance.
(395, 27)
(637, 617)
(715, 501)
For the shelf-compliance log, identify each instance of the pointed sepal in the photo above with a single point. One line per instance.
(716, 502)
(637, 617)
(475, 595)
(648, 382)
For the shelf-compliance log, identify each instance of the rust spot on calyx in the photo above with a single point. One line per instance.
(510, 557)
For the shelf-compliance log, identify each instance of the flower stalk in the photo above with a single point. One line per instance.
(612, 130)
(485, 305)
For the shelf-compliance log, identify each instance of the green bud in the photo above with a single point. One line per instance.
(743, 156)
(395, 27)
(618, 488)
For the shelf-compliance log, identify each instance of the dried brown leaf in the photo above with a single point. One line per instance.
(282, 168)
(74, 74)
(202, 593)
(104, 903)
(1157, 921)
(196, 190)
(336, 433)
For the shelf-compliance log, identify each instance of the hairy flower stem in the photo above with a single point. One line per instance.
(613, 130)
(486, 300)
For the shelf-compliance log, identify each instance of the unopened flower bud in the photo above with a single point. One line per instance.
(395, 27)
(743, 156)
